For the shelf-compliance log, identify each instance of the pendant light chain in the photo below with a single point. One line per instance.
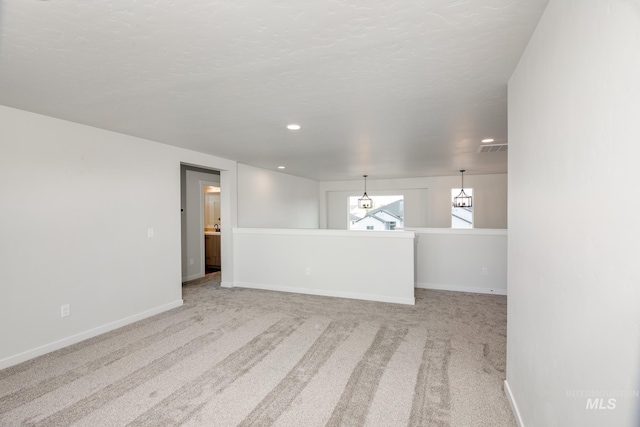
(365, 202)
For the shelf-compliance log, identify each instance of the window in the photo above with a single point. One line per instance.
(461, 217)
(387, 213)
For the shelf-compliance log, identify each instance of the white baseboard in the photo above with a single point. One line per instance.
(325, 293)
(512, 402)
(495, 291)
(226, 284)
(192, 277)
(47, 348)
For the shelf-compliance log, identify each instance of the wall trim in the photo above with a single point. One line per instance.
(463, 231)
(392, 234)
(475, 290)
(192, 277)
(325, 293)
(512, 402)
(73, 339)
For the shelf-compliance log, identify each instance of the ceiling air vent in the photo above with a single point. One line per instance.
(492, 148)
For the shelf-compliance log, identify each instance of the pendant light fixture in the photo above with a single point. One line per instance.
(365, 202)
(462, 200)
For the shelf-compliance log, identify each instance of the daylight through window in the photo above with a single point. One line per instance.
(387, 214)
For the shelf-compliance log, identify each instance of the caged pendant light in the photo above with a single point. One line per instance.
(462, 200)
(365, 201)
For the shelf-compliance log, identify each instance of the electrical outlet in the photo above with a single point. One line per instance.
(149, 232)
(485, 271)
(190, 261)
(308, 272)
(65, 310)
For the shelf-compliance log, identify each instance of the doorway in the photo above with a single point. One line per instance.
(193, 179)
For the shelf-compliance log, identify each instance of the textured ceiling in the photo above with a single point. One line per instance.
(388, 88)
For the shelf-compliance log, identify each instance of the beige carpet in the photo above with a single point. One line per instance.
(246, 357)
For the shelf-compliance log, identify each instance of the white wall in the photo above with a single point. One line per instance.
(574, 144)
(276, 200)
(194, 210)
(462, 260)
(369, 265)
(77, 203)
(427, 199)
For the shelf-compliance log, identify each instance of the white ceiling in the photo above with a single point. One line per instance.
(389, 88)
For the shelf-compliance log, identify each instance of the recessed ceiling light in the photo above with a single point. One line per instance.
(293, 126)
(487, 140)
(280, 167)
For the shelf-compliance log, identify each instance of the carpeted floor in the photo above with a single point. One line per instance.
(245, 357)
